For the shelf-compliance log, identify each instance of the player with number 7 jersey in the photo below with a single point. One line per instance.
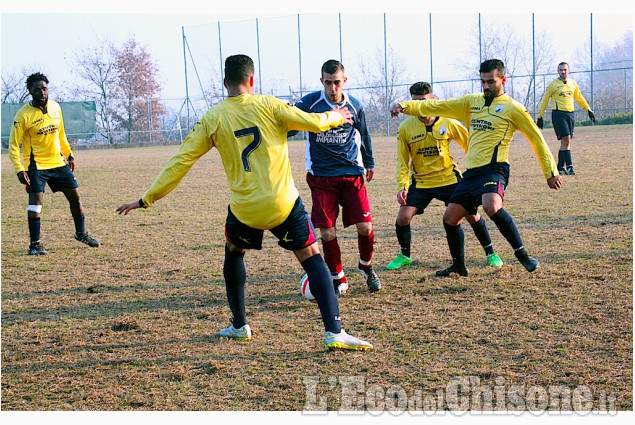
(250, 133)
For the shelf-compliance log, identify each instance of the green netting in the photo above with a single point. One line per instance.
(79, 119)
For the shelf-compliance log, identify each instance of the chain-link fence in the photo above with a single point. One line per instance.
(384, 54)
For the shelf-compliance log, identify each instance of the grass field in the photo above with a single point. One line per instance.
(133, 324)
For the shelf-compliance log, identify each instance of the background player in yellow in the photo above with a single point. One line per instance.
(250, 133)
(563, 91)
(493, 118)
(38, 129)
(427, 171)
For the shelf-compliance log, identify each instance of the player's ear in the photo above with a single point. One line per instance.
(225, 82)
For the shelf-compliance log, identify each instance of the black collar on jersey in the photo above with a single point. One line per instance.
(44, 111)
(429, 127)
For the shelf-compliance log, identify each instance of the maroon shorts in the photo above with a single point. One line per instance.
(328, 193)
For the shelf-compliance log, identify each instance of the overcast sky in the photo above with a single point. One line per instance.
(50, 37)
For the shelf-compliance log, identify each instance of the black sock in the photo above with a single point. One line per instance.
(480, 230)
(235, 276)
(561, 160)
(567, 160)
(404, 236)
(508, 229)
(321, 285)
(80, 229)
(455, 237)
(34, 229)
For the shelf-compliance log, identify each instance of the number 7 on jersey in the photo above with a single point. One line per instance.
(250, 147)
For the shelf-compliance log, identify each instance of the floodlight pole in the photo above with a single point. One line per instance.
(187, 93)
(430, 28)
(300, 55)
(386, 79)
(592, 99)
(259, 67)
(220, 55)
(339, 15)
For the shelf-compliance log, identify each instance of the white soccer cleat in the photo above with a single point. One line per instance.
(344, 341)
(242, 334)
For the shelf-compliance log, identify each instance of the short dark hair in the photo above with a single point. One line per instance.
(331, 66)
(491, 65)
(420, 88)
(238, 69)
(34, 78)
(564, 63)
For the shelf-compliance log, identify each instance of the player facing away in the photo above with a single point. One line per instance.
(493, 119)
(563, 91)
(38, 129)
(337, 161)
(250, 133)
(426, 171)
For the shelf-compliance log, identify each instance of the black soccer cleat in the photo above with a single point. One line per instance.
(563, 172)
(459, 269)
(529, 262)
(36, 248)
(570, 171)
(88, 240)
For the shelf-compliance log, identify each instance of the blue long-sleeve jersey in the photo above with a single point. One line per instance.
(341, 151)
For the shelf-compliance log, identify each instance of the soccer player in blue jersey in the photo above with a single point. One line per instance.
(38, 130)
(337, 161)
(250, 133)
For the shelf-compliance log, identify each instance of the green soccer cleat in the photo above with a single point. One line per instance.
(399, 262)
(494, 260)
(344, 341)
(242, 334)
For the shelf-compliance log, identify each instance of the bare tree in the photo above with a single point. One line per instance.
(98, 67)
(382, 86)
(505, 43)
(14, 84)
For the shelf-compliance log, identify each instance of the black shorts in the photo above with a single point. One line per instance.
(490, 178)
(57, 178)
(296, 232)
(421, 197)
(563, 123)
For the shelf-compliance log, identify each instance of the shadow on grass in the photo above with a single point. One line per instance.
(287, 301)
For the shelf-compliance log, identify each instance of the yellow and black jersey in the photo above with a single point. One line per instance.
(491, 127)
(562, 95)
(41, 134)
(423, 152)
(250, 133)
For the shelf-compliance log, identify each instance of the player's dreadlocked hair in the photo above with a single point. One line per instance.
(331, 66)
(238, 69)
(420, 88)
(493, 64)
(34, 78)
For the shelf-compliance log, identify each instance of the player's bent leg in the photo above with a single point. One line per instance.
(482, 234)
(333, 259)
(235, 276)
(79, 219)
(365, 243)
(404, 237)
(320, 284)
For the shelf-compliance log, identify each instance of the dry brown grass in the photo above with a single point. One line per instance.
(132, 325)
